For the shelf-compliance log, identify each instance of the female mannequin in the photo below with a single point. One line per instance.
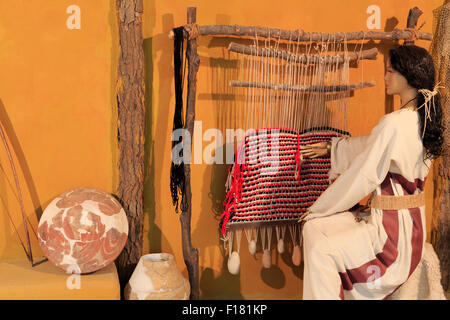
(345, 258)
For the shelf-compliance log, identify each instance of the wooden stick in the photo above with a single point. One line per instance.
(300, 35)
(190, 253)
(29, 253)
(275, 86)
(370, 54)
(413, 17)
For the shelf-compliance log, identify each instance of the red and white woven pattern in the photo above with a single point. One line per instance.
(270, 181)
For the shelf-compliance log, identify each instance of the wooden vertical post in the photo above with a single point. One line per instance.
(413, 17)
(131, 113)
(440, 234)
(190, 253)
(440, 231)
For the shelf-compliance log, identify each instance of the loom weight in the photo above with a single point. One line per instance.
(252, 247)
(234, 263)
(280, 245)
(296, 255)
(267, 259)
(251, 242)
(280, 236)
(296, 252)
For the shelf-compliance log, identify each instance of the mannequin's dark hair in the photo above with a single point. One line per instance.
(416, 65)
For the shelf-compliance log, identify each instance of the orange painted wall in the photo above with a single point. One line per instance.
(56, 104)
(58, 107)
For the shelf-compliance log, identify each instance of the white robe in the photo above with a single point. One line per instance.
(368, 259)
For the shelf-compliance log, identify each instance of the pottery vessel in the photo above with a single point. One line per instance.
(83, 230)
(157, 277)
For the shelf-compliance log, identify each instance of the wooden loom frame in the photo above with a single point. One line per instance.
(191, 32)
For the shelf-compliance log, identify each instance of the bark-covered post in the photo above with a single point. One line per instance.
(131, 113)
(440, 222)
(190, 254)
(440, 234)
(411, 22)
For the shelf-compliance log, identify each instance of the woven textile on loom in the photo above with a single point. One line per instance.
(270, 183)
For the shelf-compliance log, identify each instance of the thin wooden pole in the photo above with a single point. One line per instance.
(28, 251)
(411, 22)
(131, 113)
(190, 253)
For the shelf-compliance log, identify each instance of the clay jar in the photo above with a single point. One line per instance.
(157, 277)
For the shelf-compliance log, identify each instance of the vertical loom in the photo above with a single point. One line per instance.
(297, 87)
(296, 94)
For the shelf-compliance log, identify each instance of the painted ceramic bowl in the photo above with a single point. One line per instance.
(83, 230)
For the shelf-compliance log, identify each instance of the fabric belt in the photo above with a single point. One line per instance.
(397, 202)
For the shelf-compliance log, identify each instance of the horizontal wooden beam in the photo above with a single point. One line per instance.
(300, 35)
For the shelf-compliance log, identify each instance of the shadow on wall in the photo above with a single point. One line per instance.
(152, 178)
(154, 232)
(224, 286)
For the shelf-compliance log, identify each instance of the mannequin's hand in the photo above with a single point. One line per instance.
(314, 150)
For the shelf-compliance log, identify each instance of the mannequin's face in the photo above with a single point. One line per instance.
(394, 81)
